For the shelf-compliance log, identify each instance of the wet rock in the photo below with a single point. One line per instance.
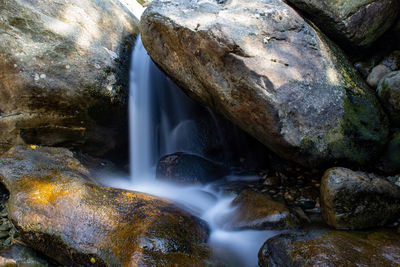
(390, 161)
(186, 168)
(64, 73)
(392, 61)
(79, 223)
(263, 67)
(18, 255)
(332, 248)
(355, 23)
(253, 210)
(357, 200)
(377, 73)
(389, 94)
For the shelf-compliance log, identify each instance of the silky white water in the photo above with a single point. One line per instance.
(161, 122)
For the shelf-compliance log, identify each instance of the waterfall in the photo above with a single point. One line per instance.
(162, 121)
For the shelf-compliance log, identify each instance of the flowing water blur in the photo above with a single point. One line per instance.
(161, 122)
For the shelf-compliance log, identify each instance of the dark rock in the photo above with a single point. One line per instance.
(79, 223)
(389, 94)
(390, 161)
(355, 23)
(24, 256)
(64, 73)
(253, 210)
(357, 200)
(377, 73)
(188, 169)
(332, 248)
(263, 67)
(392, 61)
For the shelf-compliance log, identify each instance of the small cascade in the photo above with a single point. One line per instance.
(163, 121)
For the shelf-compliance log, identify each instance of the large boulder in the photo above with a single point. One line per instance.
(332, 248)
(77, 223)
(64, 73)
(356, 22)
(357, 200)
(262, 66)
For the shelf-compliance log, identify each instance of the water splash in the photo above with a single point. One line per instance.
(162, 122)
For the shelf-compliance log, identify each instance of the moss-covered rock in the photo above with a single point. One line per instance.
(261, 65)
(332, 248)
(77, 223)
(357, 200)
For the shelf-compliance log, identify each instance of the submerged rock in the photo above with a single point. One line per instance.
(186, 168)
(389, 93)
(79, 223)
(262, 66)
(356, 22)
(332, 248)
(357, 200)
(253, 210)
(64, 73)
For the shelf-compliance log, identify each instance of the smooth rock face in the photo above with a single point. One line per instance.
(332, 248)
(357, 200)
(377, 73)
(253, 210)
(186, 168)
(78, 223)
(355, 22)
(64, 73)
(389, 94)
(262, 66)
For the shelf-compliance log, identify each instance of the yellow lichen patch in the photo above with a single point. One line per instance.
(43, 191)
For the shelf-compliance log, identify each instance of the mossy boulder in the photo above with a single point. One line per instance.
(254, 210)
(358, 200)
(77, 223)
(356, 23)
(332, 248)
(261, 65)
(389, 94)
(64, 73)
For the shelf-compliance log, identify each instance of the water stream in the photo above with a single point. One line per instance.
(162, 122)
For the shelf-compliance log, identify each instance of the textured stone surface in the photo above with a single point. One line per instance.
(332, 248)
(78, 223)
(262, 66)
(253, 210)
(389, 94)
(64, 73)
(357, 200)
(355, 22)
(376, 74)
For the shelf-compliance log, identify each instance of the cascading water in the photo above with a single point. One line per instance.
(161, 122)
